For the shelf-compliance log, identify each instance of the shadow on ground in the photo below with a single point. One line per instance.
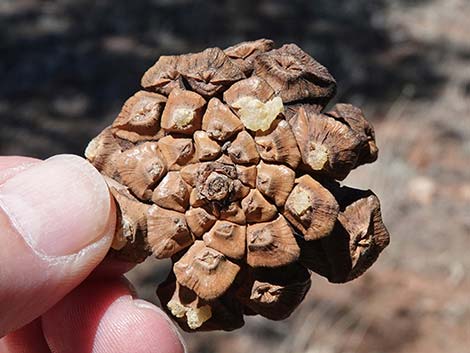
(67, 66)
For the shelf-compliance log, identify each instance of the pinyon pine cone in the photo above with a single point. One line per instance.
(226, 164)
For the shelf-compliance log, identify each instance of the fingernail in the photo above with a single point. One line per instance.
(9, 173)
(59, 206)
(142, 304)
(12, 165)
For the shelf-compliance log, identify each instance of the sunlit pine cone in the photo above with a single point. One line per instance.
(225, 163)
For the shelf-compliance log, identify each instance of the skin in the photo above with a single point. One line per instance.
(57, 292)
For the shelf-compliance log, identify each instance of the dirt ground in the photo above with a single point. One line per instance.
(67, 66)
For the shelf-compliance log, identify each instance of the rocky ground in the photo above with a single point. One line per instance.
(67, 66)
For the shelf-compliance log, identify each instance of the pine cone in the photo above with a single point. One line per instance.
(226, 164)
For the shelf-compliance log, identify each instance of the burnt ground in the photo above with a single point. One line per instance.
(67, 66)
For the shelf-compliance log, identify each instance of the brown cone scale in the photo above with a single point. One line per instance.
(226, 163)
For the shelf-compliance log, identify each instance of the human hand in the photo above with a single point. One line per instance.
(57, 221)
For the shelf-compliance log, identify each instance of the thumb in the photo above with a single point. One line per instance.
(56, 225)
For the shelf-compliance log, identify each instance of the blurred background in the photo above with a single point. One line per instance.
(67, 66)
